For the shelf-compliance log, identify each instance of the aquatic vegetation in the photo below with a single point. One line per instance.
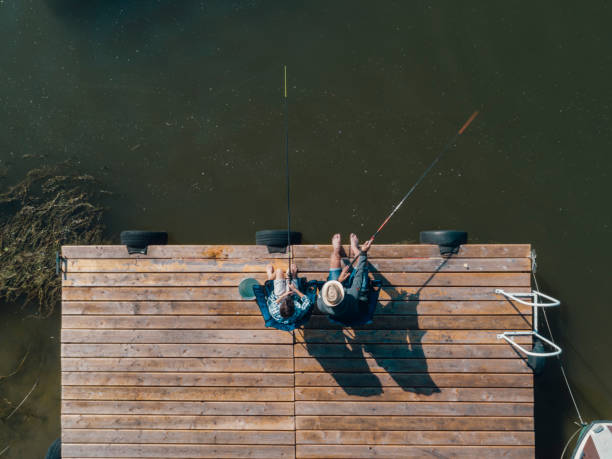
(50, 207)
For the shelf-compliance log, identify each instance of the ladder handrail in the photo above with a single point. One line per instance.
(534, 294)
(506, 336)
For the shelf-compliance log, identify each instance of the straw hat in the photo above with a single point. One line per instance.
(332, 293)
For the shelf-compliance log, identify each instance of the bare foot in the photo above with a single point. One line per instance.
(354, 245)
(270, 271)
(337, 243)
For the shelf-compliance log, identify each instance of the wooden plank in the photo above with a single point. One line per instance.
(401, 336)
(395, 322)
(249, 308)
(208, 437)
(208, 308)
(269, 336)
(120, 251)
(403, 351)
(177, 350)
(156, 279)
(354, 408)
(279, 337)
(117, 378)
(446, 279)
(105, 450)
(135, 265)
(165, 322)
(132, 457)
(455, 308)
(359, 451)
(147, 421)
(413, 394)
(177, 364)
(177, 408)
(445, 293)
(316, 322)
(415, 422)
(415, 437)
(247, 394)
(439, 380)
(300, 251)
(170, 251)
(232, 294)
(412, 365)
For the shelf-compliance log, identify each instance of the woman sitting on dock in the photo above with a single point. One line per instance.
(340, 299)
(286, 303)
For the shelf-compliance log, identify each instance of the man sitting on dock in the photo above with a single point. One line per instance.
(341, 300)
(286, 303)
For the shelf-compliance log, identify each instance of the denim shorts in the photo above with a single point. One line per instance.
(334, 274)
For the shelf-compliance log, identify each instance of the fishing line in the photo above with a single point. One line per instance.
(448, 145)
(290, 255)
(568, 442)
(534, 266)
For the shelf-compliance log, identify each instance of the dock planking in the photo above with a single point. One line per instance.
(162, 358)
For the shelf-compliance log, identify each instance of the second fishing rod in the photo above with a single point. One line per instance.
(448, 145)
(286, 104)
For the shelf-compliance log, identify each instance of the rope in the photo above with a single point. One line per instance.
(569, 441)
(287, 176)
(569, 388)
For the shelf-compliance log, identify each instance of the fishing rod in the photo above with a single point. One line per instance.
(287, 173)
(449, 144)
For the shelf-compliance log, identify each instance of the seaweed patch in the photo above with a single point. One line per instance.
(52, 206)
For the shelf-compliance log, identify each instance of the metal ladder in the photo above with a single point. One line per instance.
(535, 304)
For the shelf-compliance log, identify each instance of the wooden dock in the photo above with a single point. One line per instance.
(161, 358)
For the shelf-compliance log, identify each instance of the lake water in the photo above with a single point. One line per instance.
(176, 107)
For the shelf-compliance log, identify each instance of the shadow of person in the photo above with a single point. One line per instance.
(393, 341)
(340, 354)
(402, 354)
(342, 357)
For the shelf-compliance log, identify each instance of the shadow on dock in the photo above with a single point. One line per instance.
(398, 351)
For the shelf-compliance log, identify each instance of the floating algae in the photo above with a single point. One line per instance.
(49, 208)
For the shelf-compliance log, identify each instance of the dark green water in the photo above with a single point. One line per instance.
(176, 107)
